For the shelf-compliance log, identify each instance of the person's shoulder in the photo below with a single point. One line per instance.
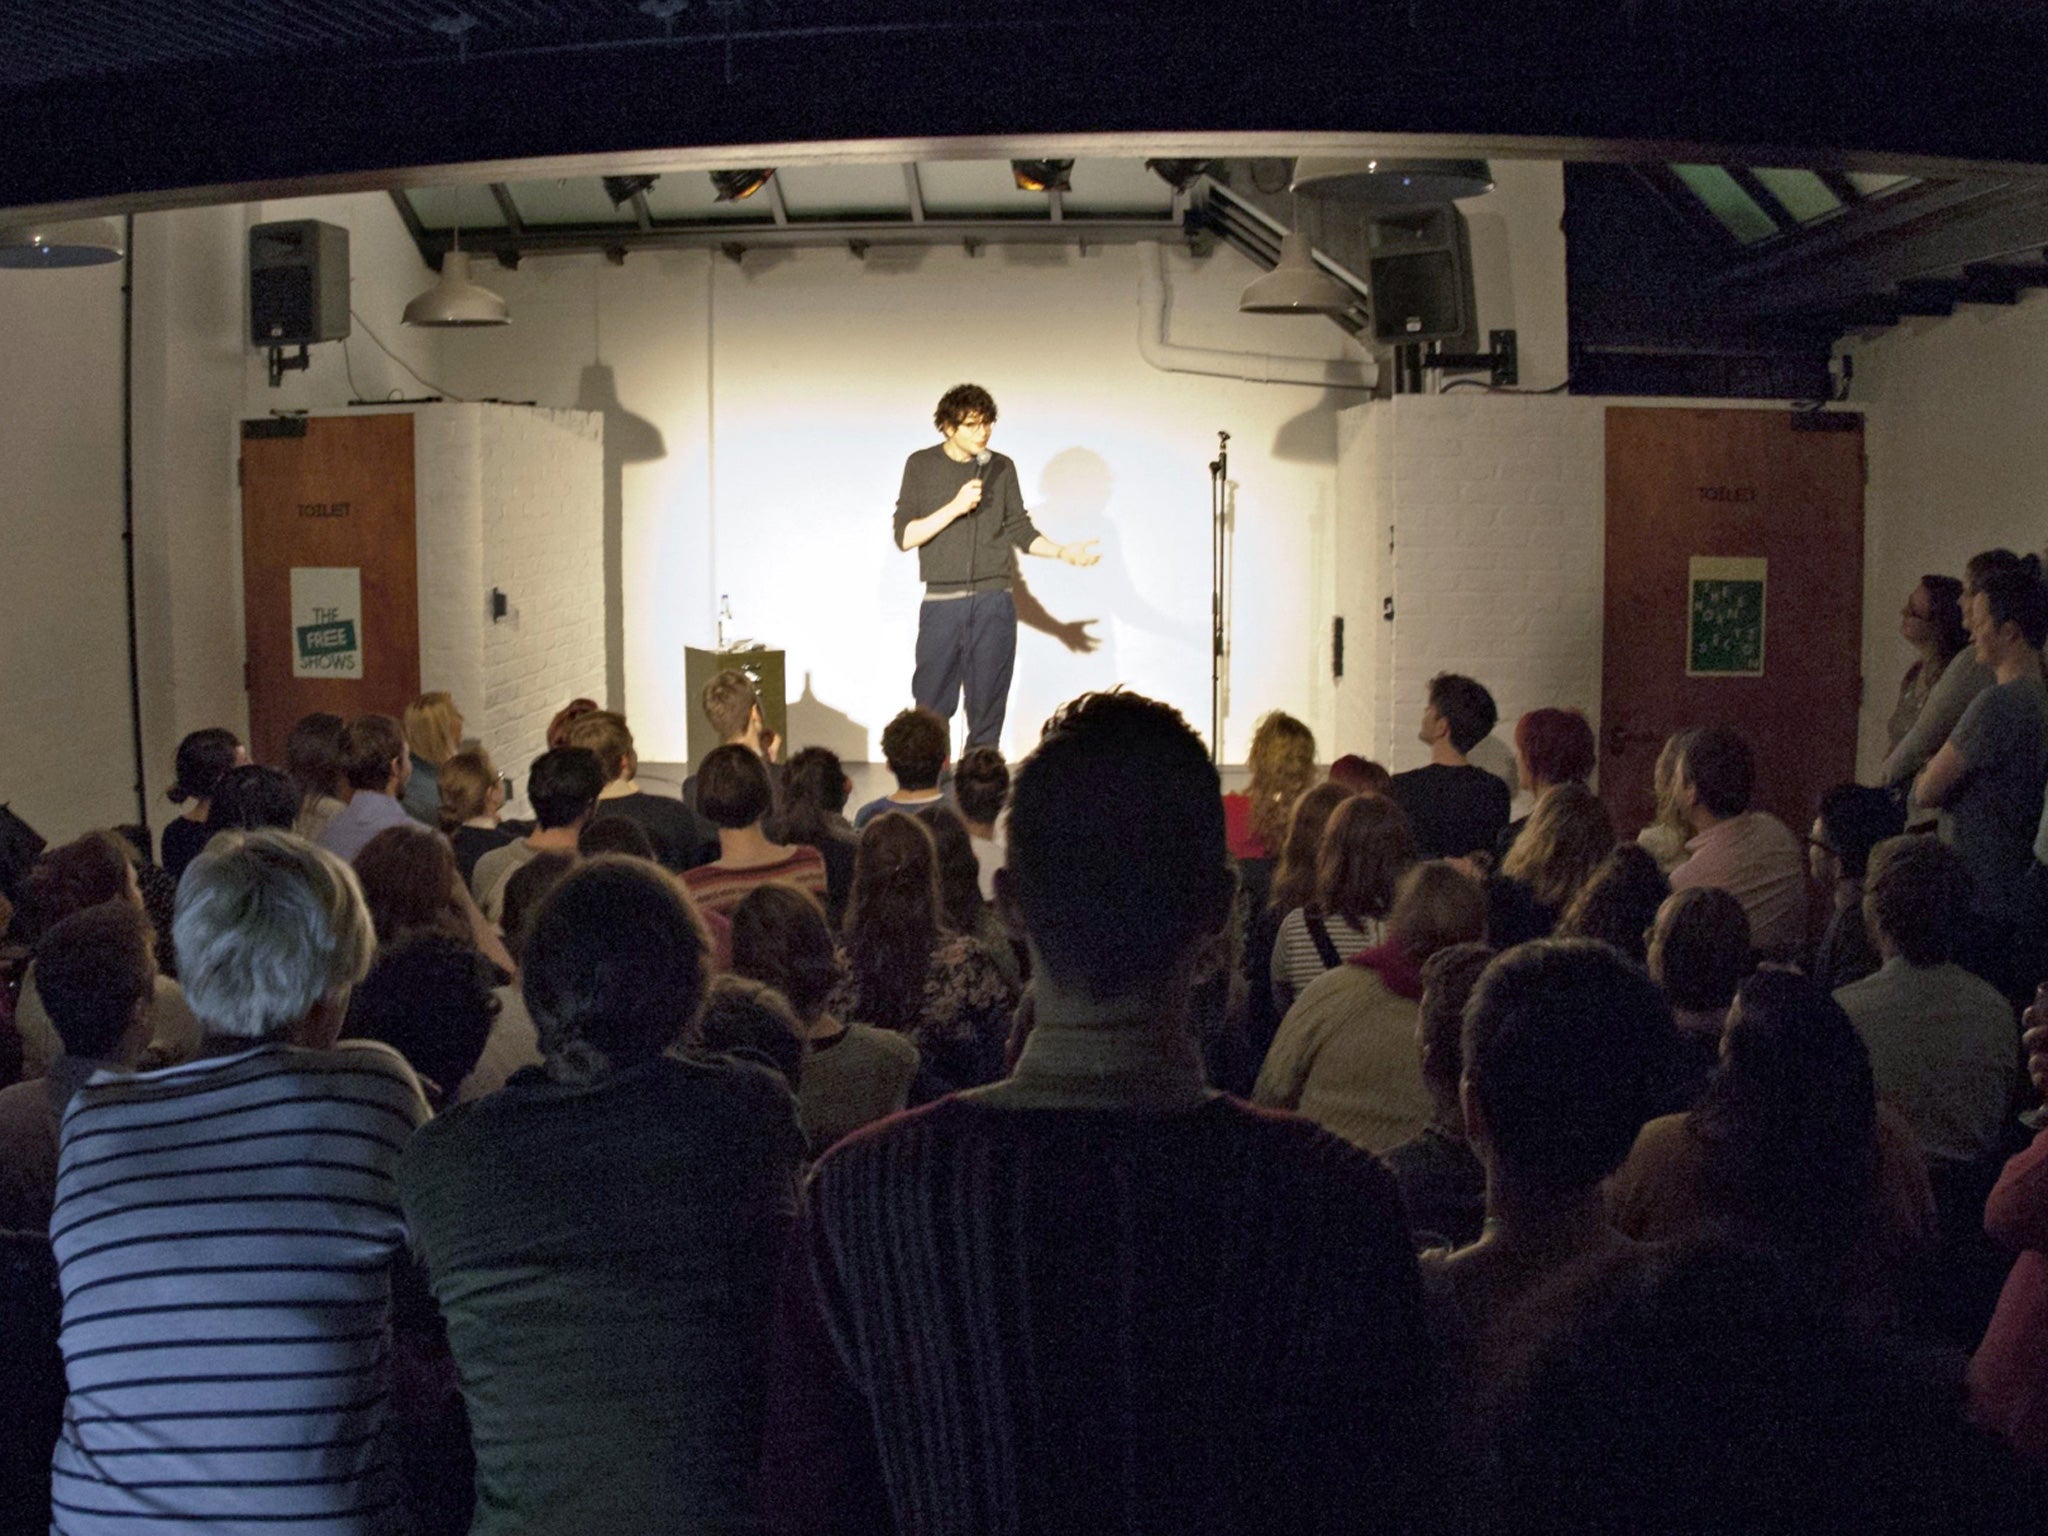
(897, 1139)
(1280, 1140)
(882, 1042)
(1409, 778)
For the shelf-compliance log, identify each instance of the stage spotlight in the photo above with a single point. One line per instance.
(734, 186)
(455, 301)
(66, 243)
(1179, 174)
(1392, 183)
(1296, 286)
(623, 189)
(1043, 175)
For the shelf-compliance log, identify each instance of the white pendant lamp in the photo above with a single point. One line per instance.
(454, 300)
(60, 243)
(1296, 286)
(1379, 183)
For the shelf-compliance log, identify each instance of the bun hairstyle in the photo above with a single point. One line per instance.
(203, 757)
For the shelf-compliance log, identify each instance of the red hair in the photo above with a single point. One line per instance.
(1556, 745)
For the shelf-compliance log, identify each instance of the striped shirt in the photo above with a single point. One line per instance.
(225, 1232)
(718, 889)
(1297, 962)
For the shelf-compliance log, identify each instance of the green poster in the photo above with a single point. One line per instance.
(1724, 631)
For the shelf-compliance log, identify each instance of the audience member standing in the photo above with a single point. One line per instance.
(815, 790)
(1096, 1296)
(734, 791)
(433, 734)
(1455, 808)
(601, 1234)
(1944, 677)
(1442, 1181)
(915, 746)
(376, 764)
(562, 787)
(682, 838)
(1853, 820)
(226, 1230)
(315, 755)
(1365, 851)
(203, 757)
(1749, 854)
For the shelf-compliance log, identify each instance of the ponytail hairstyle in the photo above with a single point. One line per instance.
(203, 757)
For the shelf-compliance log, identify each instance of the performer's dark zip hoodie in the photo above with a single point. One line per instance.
(972, 553)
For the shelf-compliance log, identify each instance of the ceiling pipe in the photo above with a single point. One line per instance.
(1155, 305)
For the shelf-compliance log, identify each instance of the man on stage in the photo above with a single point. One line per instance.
(961, 509)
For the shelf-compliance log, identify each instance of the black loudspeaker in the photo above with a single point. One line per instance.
(298, 283)
(1420, 271)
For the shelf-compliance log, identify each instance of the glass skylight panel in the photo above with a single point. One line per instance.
(1725, 199)
(953, 187)
(450, 207)
(1805, 196)
(1107, 187)
(844, 191)
(574, 200)
(689, 196)
(1880, 183)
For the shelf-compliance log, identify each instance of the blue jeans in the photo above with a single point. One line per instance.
(967, 642)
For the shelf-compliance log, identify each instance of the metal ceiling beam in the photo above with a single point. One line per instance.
(915, 188)
(567, 240)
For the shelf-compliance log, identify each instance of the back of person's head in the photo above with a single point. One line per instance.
(1718, 764)
(1556, 746)
(1294, 877)
(1282, 763)
(1367, 847)
(373, 748)
(433, 727)
(603, 732)
(729, 701)
(914, 745)
(96, 975)
(1448, 977)
(733, 788)
(315, 755)
(251, 797)
(1618, 902)
(69, 878)
(525, 889)
(562, 786)
(614, 834)
(1916, 895)
(2014, 595)
(203, 757)
(745, 1017)
(429, 997)
(1436, 905)
(958, 870)
(1945, 615)
(780, 937)
(613, 968)
(1567, 1049)
(269, 926)
(1855, 818)
(1361, 775)
(814, 790)
(566, 716)
(981, 785)
(1560, 846)
(466, 782)
(1117, 858)
(1699, 949)
(408, 878)
(892, 917)
(1463, 704)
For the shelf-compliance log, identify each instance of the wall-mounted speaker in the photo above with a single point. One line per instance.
(1420, 270)
(298, 283)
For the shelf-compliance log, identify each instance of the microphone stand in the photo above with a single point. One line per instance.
(1219, 500)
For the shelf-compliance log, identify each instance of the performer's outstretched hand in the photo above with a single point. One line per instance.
(1082, 553)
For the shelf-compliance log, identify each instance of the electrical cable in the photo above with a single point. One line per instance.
(348, 367)
(408, 367)
(1501, 389)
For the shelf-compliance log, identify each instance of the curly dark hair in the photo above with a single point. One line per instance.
(981, 784)
(961, 402)
(915, 745)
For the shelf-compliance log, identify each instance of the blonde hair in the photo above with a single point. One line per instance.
(603, 733)
(1283, 764)
(433, 727)
(1566, 837)
(466, 780)
(1435, 906)
(1664, 779)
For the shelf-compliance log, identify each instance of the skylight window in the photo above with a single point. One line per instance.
(1738, 212)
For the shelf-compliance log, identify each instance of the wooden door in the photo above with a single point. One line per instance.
(1695, 498)
(327, 496)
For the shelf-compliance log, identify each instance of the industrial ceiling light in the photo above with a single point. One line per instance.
(736, 186)
(60, 243)
(623, 189)
(1179, 174)
(1381, 183)
(1043, 175)
(1296, 286)
(454, 300)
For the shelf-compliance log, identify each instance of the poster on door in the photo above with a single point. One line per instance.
(1724, 628)
(327, 621)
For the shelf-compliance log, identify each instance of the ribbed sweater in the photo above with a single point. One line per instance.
(1104, 1320)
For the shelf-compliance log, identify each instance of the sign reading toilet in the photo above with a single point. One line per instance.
(327, 621)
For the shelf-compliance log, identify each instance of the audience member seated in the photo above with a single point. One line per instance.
(1561, 843)
(1989, 776)
(682, 838)
(946, 992)
(2009, 1371)
(732, 704)
(915, 745)
(32, 1407)
(429, 997)
(606, 833)
(1944, 677)
(736, 794)
(250, 798)
(1669, 831)
(961, 908)
(981, 788)
(376, 764)
(432, 726)
(97, 979)
(1700, 956)
(513, 1042)
(1789, 1148)
(566, 716)
(1442, 1182)
(1282, 761)
(159, 895)
(601, 1234)
(1455, 807)
(750, 1019)
(1749, 854)
(562, 787)
(815, 790)
(1940, 1038)
(1293, 886)
(175, 1240)
(1853, 820)
(1566, 1048)
(67, 880)
(974, 1264)
(1618, 903)
(203, 757)
(316, 757)
(853, 1074)
(1552, 747)
(1361, 775)
(1366, 849)
(1345, 1055)
(410, 885)
(472, 797)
